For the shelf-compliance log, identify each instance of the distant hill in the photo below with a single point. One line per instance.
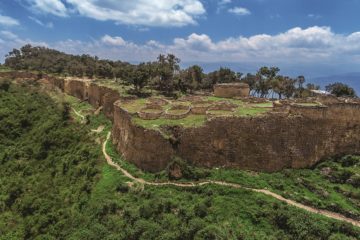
(352, 79)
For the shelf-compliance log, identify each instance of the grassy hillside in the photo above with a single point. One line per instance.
(54, 184)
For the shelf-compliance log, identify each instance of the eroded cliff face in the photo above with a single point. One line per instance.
(298, 138)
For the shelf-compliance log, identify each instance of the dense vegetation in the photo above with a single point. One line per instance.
(164, 74)
(340, 90)
(48, 166)
(55, 185)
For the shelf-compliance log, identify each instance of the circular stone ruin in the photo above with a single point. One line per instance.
(223, 108)
(200, 108)
(150, 112)
(177, 111)
(157, 101)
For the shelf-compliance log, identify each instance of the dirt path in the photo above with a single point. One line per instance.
(78, 114)
(99, 129)
(233, 185)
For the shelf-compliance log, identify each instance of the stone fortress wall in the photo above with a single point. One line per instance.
(229, 90)
(299, 137)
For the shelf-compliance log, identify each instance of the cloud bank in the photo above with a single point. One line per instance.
(311, 46)
(8, 21)
(160, 13)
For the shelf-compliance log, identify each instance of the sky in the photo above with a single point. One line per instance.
(301, 37)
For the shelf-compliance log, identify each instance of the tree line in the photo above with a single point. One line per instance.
(164, 74)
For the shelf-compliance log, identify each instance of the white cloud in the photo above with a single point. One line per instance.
(239, 11)
(135, 12)
(224, 2)
(314, 16)
(200, 42)
(47, 25)
(55, 7)
(297, 47)
(114, 41)
(8, 21)
(9, 35)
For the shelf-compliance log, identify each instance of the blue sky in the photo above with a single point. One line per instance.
(310, 37)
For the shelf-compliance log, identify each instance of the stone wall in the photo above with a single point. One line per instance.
(268, 143)
(76, 89)
(229, 90)
(102, 96)
(97, 96)
(346, 112)
(146, 148)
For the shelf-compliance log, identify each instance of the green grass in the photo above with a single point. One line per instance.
(308, 186)
(5, 69)
(243, 110)
(134, 106)
(250, 111)
(265, 105)
(189, 121)
(177, 111)
(221, 112)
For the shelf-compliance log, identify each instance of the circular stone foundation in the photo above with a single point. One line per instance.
(151, 112)
(177, 112)
(157, 101)
(200, 108)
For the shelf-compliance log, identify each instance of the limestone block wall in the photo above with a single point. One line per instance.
(267, 143)
(231, 90)
(146, 148)
(97, 96)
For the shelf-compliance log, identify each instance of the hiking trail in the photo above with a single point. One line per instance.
(325, 213)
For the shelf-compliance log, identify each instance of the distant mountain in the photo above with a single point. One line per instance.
(351, 79)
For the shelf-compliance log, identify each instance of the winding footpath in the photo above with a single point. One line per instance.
(78, 114)
(221, 183)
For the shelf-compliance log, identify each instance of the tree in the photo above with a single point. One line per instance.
(138, 76)
(191, 78)
(311, 86)
(167, 68)
(250, 79)
(289, 87)
(341, 90)
(300, 81)
(264, 77)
